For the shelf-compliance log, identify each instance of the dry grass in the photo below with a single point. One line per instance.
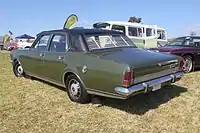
(33, 106)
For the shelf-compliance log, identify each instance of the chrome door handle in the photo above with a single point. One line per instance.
(60, 57)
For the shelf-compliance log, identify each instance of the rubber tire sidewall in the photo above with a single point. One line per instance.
(84, 98)
(15, 69)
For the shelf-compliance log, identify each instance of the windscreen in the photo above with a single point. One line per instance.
(177, 41)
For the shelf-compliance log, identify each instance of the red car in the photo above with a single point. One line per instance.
(188, 47)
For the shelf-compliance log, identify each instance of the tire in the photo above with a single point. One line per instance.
(188, 64)
(18, 70)
(76, 91)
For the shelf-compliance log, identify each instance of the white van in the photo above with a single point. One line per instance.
(143, 36)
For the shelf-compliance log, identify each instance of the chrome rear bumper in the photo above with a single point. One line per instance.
(146, 85)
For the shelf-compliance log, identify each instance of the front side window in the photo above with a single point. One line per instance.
(119, 28)
(42, 43)
(136, 32)
(58, 43)
(107, 41)
(161, 34)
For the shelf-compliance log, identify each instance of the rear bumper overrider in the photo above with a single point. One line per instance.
(145, 86)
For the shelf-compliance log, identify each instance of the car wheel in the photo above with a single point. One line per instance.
(18, 70)
(188, 64)
(76, 90)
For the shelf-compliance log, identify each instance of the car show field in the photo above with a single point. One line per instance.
(36, 106)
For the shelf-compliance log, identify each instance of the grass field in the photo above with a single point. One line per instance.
(28, 106)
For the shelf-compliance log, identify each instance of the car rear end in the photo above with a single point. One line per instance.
(143, 70)
(150, 78)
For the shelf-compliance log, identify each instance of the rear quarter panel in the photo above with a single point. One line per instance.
(101, 75)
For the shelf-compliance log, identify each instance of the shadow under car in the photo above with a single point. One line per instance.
(142, 103)
(139, 104)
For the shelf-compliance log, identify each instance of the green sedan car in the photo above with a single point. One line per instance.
(95, 62)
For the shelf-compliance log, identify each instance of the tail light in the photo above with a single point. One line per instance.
(181, 65)
(128, 78)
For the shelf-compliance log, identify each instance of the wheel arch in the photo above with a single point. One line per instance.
(69, 72)
(191, 55)
(16, 61)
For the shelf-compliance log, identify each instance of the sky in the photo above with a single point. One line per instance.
(179, 17)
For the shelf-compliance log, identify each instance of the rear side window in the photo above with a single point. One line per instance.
(58, 43)
(77, 43)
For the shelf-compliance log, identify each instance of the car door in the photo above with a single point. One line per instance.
(54, 58)
(32, 61)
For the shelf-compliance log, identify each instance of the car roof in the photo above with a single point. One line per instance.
(124, 23)
(83, 31)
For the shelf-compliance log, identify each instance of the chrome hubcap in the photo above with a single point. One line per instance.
(20, 69)
(75, 89)
(187, 65)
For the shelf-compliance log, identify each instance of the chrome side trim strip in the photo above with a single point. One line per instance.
(145, 85)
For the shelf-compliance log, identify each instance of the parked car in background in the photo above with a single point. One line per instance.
(24, 43)
(95, 62)
(11, 46)
(188, 47)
